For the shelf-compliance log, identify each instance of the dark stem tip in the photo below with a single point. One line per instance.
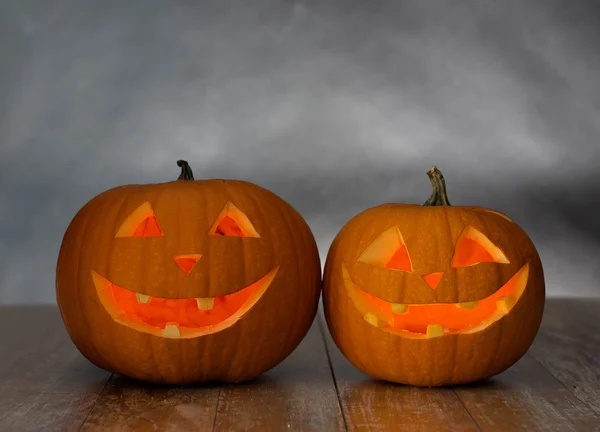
(186, 170)
(439, 195)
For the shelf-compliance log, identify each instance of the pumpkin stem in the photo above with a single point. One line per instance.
(439, 196)
(186, 171)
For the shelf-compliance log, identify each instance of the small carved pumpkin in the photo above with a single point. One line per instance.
(188, 281)
(435, 294)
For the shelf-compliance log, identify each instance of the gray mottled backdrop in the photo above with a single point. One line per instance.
(336, 106)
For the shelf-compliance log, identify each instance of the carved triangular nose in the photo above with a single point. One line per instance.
(433, 279)
(187, 262)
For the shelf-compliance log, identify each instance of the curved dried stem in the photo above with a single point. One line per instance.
(186, 171)
(439, 196)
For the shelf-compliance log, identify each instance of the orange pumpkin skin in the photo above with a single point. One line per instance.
(257, 340)
(430, 235)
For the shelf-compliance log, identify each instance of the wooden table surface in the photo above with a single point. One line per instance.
(45, 384)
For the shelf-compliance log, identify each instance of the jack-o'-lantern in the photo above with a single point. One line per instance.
(434, 294)
(188, 281)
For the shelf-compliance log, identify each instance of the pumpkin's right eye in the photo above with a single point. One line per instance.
(388, 251)
(141, 222)
(232, 222)
(473, 247)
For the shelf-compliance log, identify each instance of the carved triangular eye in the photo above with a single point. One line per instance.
(228, 226)
(233, 222)
(400, 260)
(474, 247)
(141, 223)
(388, 251)
(148, 228)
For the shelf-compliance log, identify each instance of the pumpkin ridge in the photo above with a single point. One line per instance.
(394, 330)
(237, 351)
(78, 304)
(292, 235)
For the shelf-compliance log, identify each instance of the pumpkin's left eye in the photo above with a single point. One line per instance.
(473, 247)
(388, 251)
(141, 222)
(233, 222)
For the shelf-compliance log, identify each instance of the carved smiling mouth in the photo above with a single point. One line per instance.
(420, 321)
(178, 318)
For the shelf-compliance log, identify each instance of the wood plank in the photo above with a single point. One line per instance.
(46, 383)
(298, 395)
(370, 405)
(526, 397)
(129, 405)
(568, 345)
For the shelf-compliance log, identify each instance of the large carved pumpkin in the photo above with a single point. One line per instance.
(188, 281)
(434, 294)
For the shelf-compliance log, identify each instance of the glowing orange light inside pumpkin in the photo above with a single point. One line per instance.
(159, 311)
(433, 279)
(470, 252)
(148, 227)
(140, 223)
(227, 226)
(400, 260)
(187, 262)
(154, 314)
(450, 316)
(474, 247)
(233, 222)
(388, 250)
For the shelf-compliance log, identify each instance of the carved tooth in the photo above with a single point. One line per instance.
(505, 304)
(371, 319)
(171, 330)
(434, 330)
(206, 303)
(467, 305)
(142, 298)
(399, 308)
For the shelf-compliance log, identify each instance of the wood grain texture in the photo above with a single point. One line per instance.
(297, 395)
(526, 397)
(128, 405)
(45, 383)
(568, 345)
(553, 388)
(370, 405)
